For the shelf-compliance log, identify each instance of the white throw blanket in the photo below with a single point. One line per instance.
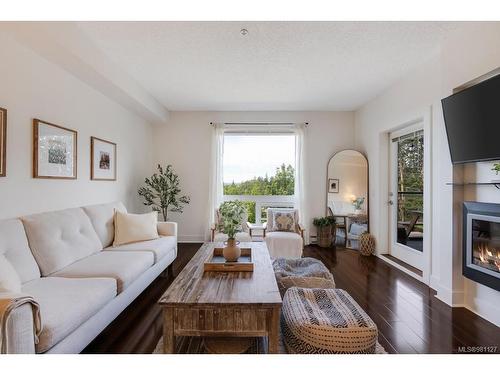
(8, 303)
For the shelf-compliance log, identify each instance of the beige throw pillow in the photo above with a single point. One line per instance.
(133, 228)
(284, 221)
(9, 279)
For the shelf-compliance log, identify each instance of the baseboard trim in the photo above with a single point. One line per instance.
(480, 306)
(190, 239)
(434, 281)
(401, 268)
(453, 298)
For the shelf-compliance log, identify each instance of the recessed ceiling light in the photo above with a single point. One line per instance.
(244, 32)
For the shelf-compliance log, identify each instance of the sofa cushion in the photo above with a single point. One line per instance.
(9, 279)
(123, 266)
(67, 303)
(60, 238)
(159, 247)
(135, 227)
(102, 218)
(14, 245)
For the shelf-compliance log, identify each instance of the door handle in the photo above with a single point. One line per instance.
(390, 203)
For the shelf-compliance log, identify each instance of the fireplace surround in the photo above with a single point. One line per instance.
(481, 243)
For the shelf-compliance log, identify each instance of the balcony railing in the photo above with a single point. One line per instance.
(262, 202)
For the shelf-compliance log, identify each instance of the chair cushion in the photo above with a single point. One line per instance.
(60, 238)
(66, 303)
(240, 236)
(135, 227)
(159, 247)
(357, 229)
(123, 266)
(325, 321)
(284, 244)
(102, 217)
(14, 245)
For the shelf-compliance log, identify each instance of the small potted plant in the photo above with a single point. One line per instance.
(232, 214)
(324, 227)
(357, 203)
(496, 169)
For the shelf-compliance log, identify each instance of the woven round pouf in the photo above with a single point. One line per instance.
(303, 273)
(227, 345)
(325, 321)
(366, 244)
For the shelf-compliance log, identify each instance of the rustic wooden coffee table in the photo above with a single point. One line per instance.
(226, 304)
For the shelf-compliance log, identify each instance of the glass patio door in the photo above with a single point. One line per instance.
(406, 196)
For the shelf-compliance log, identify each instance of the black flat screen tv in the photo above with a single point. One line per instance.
(472, 120)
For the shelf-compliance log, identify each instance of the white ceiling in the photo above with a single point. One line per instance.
(277, 66)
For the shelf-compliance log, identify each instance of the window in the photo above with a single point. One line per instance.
(260, 170)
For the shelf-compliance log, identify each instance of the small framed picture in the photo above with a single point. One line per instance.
(3, 142)
(54, 151)
(102, 160)
(333, 185)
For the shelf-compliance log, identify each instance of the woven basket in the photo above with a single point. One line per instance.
(366, 244)
(325, 236)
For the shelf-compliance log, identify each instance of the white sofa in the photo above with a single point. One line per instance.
(66, 262)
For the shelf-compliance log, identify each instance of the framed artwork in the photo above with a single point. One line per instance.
(3, 142)
(333, 185)
(54, 151)
(102, 160)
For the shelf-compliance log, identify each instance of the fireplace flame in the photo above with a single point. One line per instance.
(486, 256)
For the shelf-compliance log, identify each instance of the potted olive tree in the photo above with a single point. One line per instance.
(163, 193)
(232, 214)
(324, 227)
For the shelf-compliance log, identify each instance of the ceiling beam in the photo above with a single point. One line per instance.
(66, 45)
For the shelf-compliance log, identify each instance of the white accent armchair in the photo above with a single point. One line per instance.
(217, 236)
(283, 243)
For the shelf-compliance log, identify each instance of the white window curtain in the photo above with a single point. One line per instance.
(300, 178)
(215, 193)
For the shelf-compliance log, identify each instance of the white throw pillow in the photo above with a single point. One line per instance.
(9, 279)
(133, 228)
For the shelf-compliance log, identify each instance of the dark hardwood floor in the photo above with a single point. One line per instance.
(410, 319)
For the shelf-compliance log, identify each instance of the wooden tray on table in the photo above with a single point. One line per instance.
(216, 262)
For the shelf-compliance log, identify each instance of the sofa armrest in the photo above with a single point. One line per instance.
(20, 324)
(167, 228)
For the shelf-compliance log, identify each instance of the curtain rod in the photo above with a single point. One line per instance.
(260, 123)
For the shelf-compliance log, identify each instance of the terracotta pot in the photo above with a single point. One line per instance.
(325, 236)
(231, 252)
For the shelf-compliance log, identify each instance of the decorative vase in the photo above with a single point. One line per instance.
(231, 252)
(366, 244)
(358, 211)
(325, 236)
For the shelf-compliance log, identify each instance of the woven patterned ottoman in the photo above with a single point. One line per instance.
(325, 321)
(302, 273)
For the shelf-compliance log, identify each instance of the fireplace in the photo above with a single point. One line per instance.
(481, 243)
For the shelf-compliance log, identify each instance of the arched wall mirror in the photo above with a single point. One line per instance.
(347, 196)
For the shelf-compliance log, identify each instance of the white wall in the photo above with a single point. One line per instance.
(464, 55)
(31, 87)
(185, 143)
